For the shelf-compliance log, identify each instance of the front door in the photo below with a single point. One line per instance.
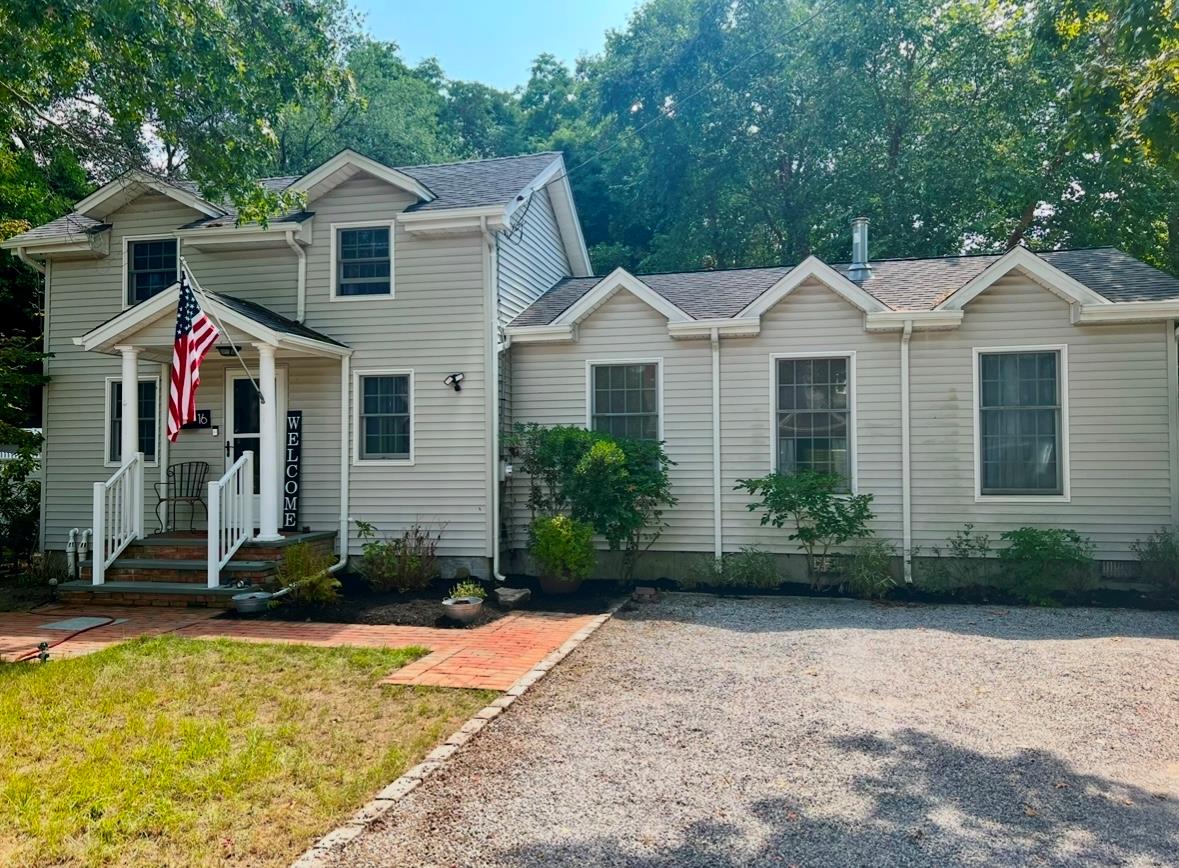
(243, 421)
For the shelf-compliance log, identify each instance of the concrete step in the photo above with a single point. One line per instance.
(180, 571)
(173, 594)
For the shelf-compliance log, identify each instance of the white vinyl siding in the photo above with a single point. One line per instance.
(531, 258)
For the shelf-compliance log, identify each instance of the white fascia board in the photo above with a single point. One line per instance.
(97, 245)
(725, 327)
(620, 279)
(364, 164)
(454, 220)
(814, 267)
(894, 320)
(1126, 311)
(540, 334)
(247, 233)
(122, 188)
(1039, 270)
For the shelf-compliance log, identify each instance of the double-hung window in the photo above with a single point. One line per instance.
(385, 409)
(364, 261)
(624, 399)
(148, 413)
(813, 405)
(151, 268)
(1020, 422)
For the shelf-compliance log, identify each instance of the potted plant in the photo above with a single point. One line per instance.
(564, 552)
(465, 602)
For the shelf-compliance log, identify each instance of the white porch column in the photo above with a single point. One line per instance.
(129, 442)
(268, 493)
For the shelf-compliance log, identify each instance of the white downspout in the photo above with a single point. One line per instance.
(906, 468)
(717, 533)
(301, 309)
(345, 439)
(29, 261)
(492, 375)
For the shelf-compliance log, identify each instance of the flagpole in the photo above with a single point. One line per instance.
(201, 291)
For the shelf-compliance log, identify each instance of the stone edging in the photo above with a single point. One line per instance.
(317, 854)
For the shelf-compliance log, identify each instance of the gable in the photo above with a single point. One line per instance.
(112, 196)
(813, 269)
(621, 314)
(347, 165)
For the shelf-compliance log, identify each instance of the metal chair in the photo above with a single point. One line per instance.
(185, 484)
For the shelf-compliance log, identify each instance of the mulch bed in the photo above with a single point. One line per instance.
(359, 604)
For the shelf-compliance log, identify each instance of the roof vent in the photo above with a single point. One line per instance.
(860, 269)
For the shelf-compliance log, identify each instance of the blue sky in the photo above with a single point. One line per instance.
(493, 42)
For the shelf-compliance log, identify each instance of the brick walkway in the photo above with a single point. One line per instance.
(492, 656)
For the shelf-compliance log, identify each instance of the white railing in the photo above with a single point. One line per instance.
(118, 515)
(231, 514)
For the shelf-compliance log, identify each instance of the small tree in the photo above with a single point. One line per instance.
(820, 515)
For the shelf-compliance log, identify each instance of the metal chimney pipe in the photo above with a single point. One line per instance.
(860, 269)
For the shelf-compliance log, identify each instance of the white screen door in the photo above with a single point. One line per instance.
(243, 422)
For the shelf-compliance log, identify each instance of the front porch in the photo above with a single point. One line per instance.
(233, 480)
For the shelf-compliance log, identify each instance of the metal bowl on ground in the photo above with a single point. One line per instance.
(462, 610)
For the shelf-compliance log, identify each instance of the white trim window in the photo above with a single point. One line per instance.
(150, 265)
(149, 421)
(383, 417)
(1021, 422)
(814, 414)
(362, 260)
(624, 398)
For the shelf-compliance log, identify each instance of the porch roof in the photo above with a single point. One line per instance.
(148, 325)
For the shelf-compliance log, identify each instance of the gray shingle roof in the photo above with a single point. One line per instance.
(276, 322)
(469, 184)
(902, 284)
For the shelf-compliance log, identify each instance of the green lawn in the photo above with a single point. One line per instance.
(182, 751)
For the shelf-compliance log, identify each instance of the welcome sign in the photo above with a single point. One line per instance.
(291, 482)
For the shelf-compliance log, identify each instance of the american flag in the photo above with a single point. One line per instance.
(195, 335)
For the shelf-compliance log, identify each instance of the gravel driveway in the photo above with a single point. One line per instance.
(785, 731)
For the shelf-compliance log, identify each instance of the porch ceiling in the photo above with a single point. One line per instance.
(150, 326)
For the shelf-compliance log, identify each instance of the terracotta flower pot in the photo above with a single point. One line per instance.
(557, 585)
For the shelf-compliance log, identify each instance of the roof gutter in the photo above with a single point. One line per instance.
(1125, 311)
(23, 256)
(301, 254)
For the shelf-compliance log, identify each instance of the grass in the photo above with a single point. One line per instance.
(193, 752)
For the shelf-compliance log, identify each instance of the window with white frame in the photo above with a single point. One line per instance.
(364, 261)
(148, 413)
(385, 408)
(1020, 423)
(624, 400)
(813, 405)
(151, 268)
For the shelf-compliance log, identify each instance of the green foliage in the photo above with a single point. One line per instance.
(1040, 561)
(750, 569)
(967, 561)
(20, 513)
(563, 547)
(869, 568)
(820, 517)
(619, 486)
(405, 563)
(1158, 555)
(304, 569)
(468, 588)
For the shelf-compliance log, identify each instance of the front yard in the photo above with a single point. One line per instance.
(182, 751)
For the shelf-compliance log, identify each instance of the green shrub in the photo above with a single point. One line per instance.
(468, 588)
(967, 561)
(304, 570)
(1158, 555)
(405, 563)
(563, 547)
(750, 568)
(821, 516)
(20, 515)
(869, 569)
(1038, 561)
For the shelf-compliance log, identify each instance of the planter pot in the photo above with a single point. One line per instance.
(463, 610)
(556, 585)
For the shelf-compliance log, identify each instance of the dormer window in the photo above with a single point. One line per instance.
(363, 261)
(152, 266)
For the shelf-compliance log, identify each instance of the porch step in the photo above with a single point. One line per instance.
(194, 546)
(173, 594)
(180, 571)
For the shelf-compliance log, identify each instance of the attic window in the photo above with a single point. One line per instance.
(151, 268)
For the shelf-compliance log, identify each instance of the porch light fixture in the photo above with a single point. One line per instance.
(455, 380)
(228, 350)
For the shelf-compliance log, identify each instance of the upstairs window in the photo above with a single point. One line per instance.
(151, 268)
(625, 400)
(814, 416)
(1020, 423)
(363, 261)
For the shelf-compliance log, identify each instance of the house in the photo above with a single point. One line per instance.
(409, 315)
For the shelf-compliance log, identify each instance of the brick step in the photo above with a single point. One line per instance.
(196, 547)
(171, 594)
(177, 571)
